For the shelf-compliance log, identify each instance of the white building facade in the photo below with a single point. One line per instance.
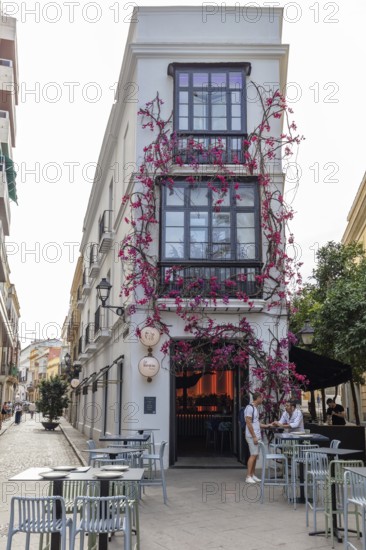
(169, 50)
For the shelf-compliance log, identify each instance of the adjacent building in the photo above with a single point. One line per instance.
(9, 304)
(202, 67)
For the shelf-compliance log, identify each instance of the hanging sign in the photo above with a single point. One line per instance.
(149, 366)
(149, 336)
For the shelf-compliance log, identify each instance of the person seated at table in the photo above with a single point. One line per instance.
(291, 419)
(337, 413)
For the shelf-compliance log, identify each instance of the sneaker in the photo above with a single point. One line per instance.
(249, 480)
(256, 479)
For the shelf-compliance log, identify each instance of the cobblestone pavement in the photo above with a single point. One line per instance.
(23, 446)
(207, 508)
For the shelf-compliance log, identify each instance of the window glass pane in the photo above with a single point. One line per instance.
(235, 80)
(174, 250)
(235, 97)
(200, 80)
(219, 124)
(175, 234)
(198, 124)
(183, 97)
(198, 243)
(245, 235)
(199, 196)
(200, 110)
(183, 123)
(221, 235)
(224, 198)
(199, 219)
(247, 251)
(175, 197)
(183, 110)
(236, 124)
(246, 196)
(174, 219)
(236, 110)
(218, 98)
(200, 97)
(218, 79)
(183, 79)
(245, 219)
(221, 252)
(221, 219)
(219, 110)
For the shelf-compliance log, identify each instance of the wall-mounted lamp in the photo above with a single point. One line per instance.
(104, 290)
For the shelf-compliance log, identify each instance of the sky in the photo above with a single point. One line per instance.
(70, 55)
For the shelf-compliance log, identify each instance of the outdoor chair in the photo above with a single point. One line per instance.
(354, 493)
(93, 456)
(100, 462)
(129, 490)
(334, 444)
(297, 456)
(98, 515)
(37, 515)
(335, 484)
(316, 472)
(156, 477)
(271, 461)
(211, 434)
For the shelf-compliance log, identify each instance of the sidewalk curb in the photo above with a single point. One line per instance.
(75, 449)
(4, 428)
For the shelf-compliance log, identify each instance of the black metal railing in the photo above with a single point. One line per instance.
(210, 280)
(80, 345)
(85, 277)
(100, 319)
(93, 255)
(105, 223)
(206, 149)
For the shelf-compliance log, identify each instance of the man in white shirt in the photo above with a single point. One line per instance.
(292, 419)
(253, 435)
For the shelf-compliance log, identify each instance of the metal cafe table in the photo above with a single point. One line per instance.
(136, 438)
(300, 438)
(113, 452)
(333, 453)
(133, 475)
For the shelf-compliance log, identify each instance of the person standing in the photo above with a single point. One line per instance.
(253, 435)
(292, 419)
(32, 409)
(18, 413)
(337, 413)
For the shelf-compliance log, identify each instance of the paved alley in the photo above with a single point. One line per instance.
(207, 508)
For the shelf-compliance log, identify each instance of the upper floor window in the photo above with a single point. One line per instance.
(210, 106)
(193, 229)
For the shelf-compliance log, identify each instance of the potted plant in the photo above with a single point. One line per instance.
(52, 400)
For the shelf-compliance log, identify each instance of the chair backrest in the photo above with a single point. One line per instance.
(334, 444)
(317, 463)
(300, 450)
(91, 444)
(101, 514)
(162, 449)
(357, 486)
(337, 469)
(37, 514)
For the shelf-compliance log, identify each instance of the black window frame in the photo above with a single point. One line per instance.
(231, 139)
(233, 209)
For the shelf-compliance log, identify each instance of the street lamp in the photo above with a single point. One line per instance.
(307, 334)
(103, 291)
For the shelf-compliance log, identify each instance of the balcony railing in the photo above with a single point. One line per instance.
(205, 149)
(210, 280)
(105, 223)
(89, 334)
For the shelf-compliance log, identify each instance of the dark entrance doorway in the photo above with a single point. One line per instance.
(205, 406)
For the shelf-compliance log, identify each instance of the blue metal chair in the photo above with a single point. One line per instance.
(37, 515)
(156, 477)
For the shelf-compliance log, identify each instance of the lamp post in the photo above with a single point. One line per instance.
(307, 334)
(103, 292)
